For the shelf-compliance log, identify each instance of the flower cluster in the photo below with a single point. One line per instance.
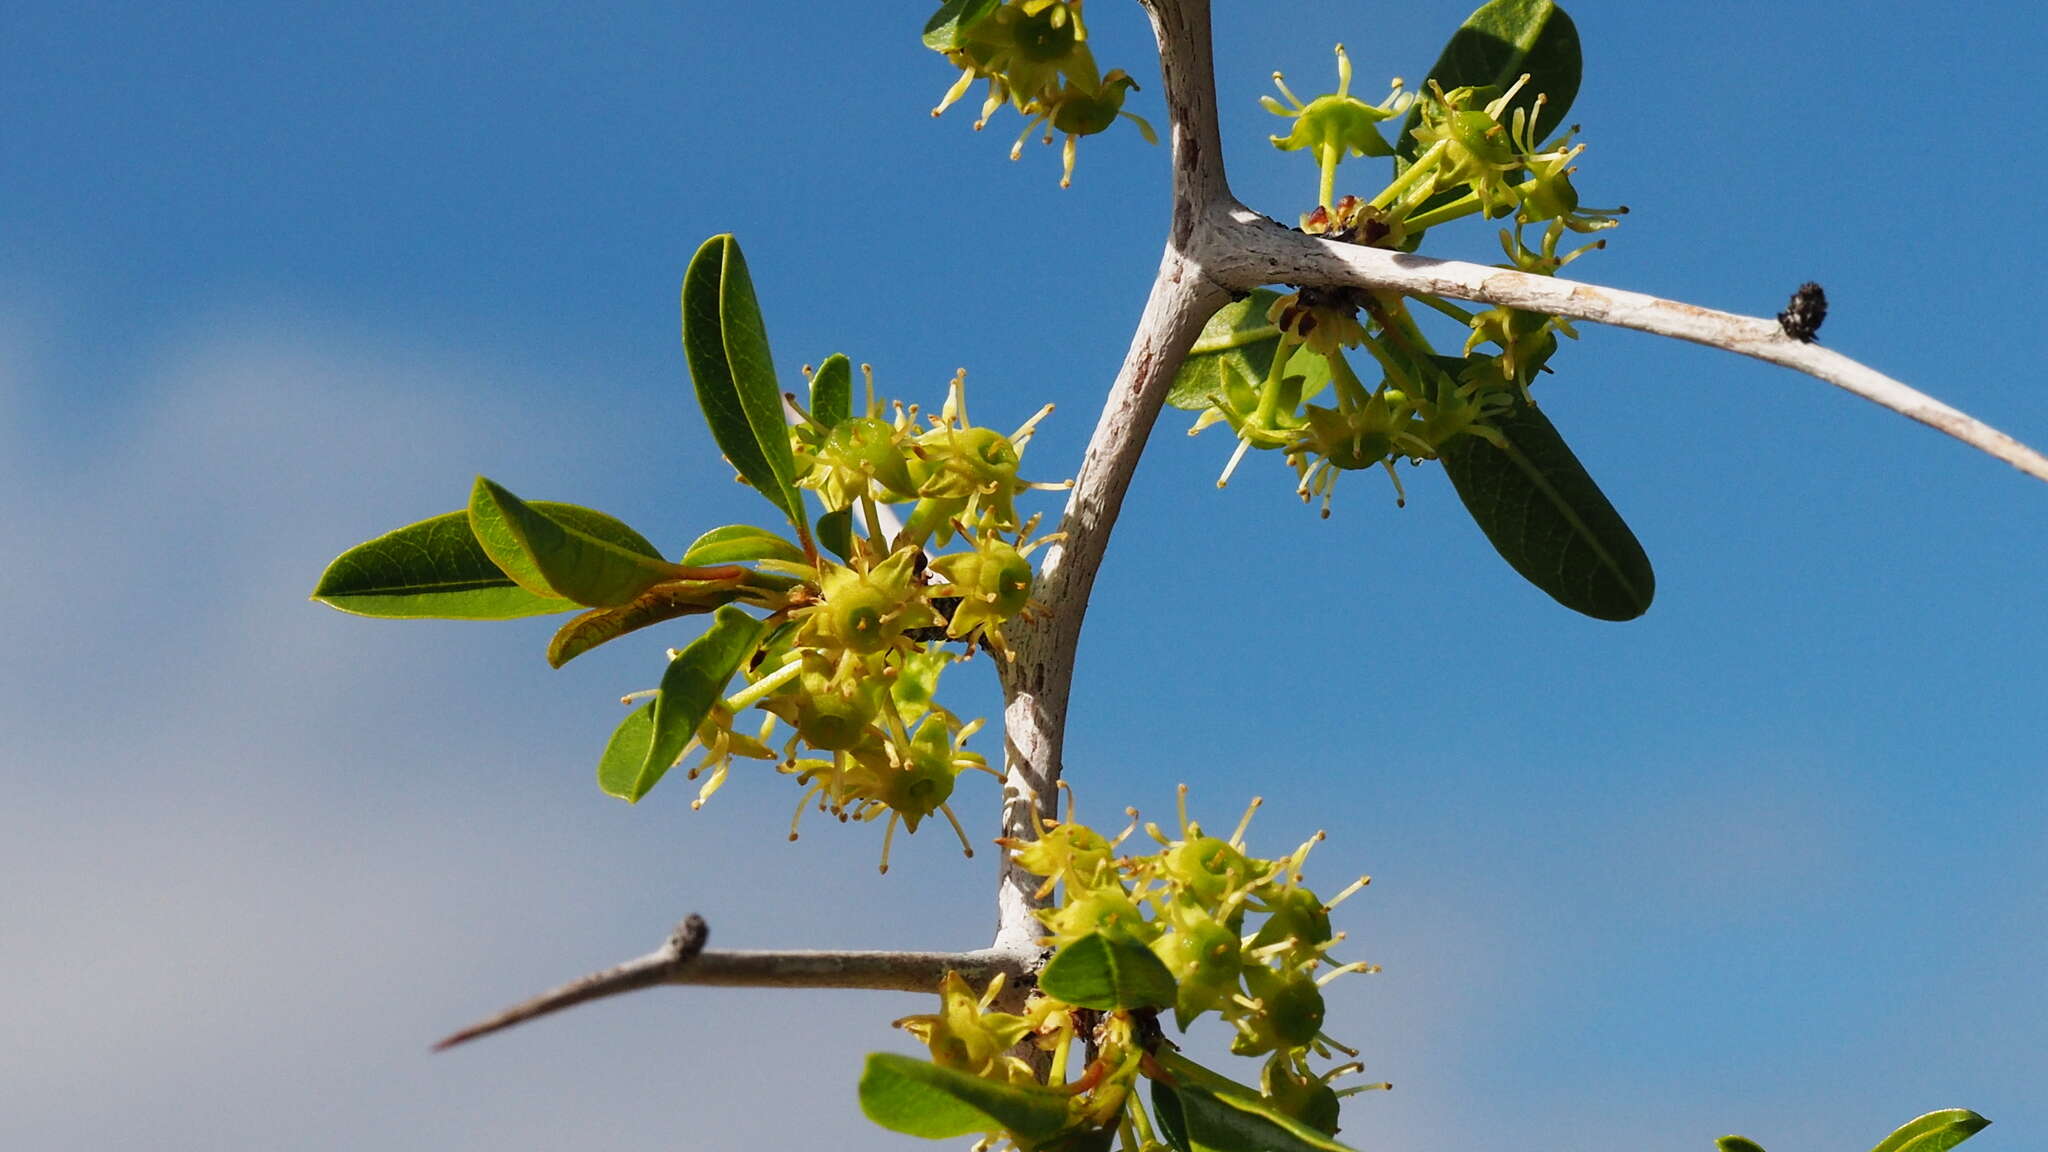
(1034, 56)
(1233, 934)
(1466, 152)
(850, 667)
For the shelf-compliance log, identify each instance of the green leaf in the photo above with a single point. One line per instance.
(1235, 352)
(1547, 518)
(626, 751)
(1108, 972)
(835, 532)
(432, 569)
(663, 603)
(919, 1098)
(1934, 1132)
(436, 568)
(739, 543)
(1494, 47)
(1738, 1144)
(695, 680)
(1168, 1117)
(551, 557)
(1195, 1118)
(726, 345)
(832, 390)
(943, 32)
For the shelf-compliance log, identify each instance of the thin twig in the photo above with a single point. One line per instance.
(682, 960)
(1246, 250)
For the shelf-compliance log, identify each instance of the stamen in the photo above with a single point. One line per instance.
(958, 90)
(1281, 83)
(710, 788)
(1022, 435)
(1237, 837)
(1332, 974)
(1128, 828)
(946, 810)
(1400, 493)
(1347, 893)
(1223, 481)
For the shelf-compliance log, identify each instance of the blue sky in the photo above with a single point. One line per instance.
(274, 279)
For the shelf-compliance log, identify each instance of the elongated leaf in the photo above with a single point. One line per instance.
(945, 30)
(549, 557)
(626, 751)
(1738, 1144)
(432, 569)
(1195, 1118)
(1235, 352)
(1495, 46)
(1547, 518)
(739, 543)
(664, 602)
(918, 1098)
(832, 390)
(1934, 1132)
(726, 345)
(695, 680)
(1108, 972)
(436, 568)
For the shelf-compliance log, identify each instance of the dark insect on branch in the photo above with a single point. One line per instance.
(1801, 319)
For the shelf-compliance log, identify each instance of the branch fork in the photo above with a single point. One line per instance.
(1216, 249)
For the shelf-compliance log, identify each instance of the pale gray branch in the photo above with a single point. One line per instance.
(1217, 247)
(1244, 250)
(1037, 681)
(682, 961)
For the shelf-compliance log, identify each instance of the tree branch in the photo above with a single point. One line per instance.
(1039, 678)
(1245, 250)
(1217, 247)
(682, 960)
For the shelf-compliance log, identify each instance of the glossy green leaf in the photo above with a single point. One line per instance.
(919, 1098)
(832, 390)
(1168, 1118)
(436, 568)
(738, 544)
(1084, 1140)
(943, 32)
(548, 556)
(626, 751)
(1737, 1144)
(665, 602)
(1108, 972)
(432, 569)
(1195, 1118)
(835, 532)
(1547, 518)
(695, 680)
(1235, 352)
(726, 345)
(1495, 46)
(1934, 1132)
